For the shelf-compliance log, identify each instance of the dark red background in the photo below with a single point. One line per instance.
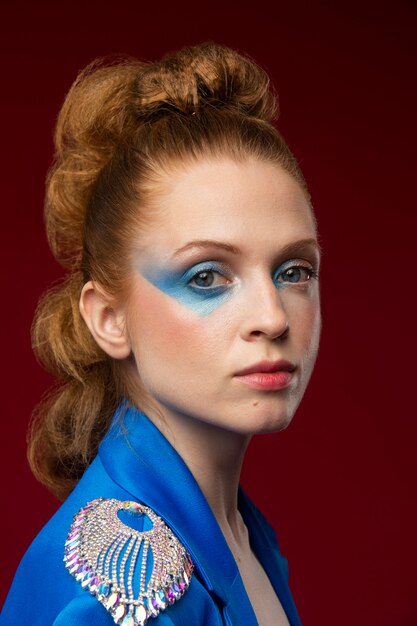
(340, 484)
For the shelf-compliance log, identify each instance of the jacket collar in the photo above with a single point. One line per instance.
(141, 461)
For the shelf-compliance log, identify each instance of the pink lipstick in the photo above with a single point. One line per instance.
(267, 375)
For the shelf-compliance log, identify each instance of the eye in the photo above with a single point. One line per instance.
(295, 274)
(208, 278)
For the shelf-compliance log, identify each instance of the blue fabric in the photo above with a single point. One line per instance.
(136, 462)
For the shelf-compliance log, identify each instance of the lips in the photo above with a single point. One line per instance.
(267, 367)
(267, 375)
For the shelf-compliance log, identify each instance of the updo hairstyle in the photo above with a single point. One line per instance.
(123, 125)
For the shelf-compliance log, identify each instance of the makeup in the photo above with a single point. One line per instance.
(267, 375)
(271, 381)
(203, 287)
(294, 272)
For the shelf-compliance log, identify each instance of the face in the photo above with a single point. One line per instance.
(223, 316)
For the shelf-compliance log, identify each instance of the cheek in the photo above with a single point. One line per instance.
(310, 334)
(305, 320)
(165, 330)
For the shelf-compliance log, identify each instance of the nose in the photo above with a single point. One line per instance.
(264, 314)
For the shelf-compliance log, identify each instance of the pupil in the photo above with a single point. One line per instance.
(293, 275)
(204, 279)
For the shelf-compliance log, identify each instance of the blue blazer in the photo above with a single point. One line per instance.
(136, 462)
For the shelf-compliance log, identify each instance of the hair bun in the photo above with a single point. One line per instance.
(206, 75)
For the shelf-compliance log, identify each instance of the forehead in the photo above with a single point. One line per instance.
(247, 203)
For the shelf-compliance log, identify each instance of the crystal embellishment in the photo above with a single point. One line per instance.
(134, 574)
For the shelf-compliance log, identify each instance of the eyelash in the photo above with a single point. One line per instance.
(216, 269)
(291, 265)
(206, 268)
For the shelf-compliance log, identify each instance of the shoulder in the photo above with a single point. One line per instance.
(131, 563)
(85, 611)
(42, 586)
(196, 607)
(88, 568)
(80, 611)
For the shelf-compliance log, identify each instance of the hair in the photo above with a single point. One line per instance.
(123, 125)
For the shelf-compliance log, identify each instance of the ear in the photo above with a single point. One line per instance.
(105, 320)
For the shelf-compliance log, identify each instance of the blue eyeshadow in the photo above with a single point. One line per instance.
(176, 284)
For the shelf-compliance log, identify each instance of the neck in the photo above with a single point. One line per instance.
(215, 458)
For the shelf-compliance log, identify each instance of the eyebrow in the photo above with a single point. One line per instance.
(294, 247)
(208, 243)
(297, 247)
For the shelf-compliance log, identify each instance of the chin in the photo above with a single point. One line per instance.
(266, 421)
(275, 425)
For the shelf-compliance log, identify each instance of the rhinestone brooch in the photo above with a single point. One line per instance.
(134, 574)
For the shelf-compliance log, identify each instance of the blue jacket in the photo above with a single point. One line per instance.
(136, 462)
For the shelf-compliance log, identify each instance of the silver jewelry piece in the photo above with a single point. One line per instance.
(134, 574)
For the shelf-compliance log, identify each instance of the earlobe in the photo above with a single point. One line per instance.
(105, 320)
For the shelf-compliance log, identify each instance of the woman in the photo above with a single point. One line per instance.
(189, 321)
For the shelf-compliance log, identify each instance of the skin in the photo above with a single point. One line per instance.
(186, 343)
